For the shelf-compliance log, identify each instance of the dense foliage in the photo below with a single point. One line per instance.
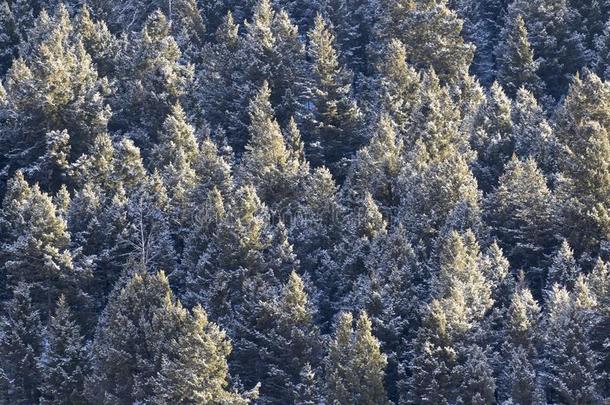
(305, 202)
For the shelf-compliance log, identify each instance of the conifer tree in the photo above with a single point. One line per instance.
(435, 357)
(144, 101)
(430, 206)
(570, 366)
(35, 244)
(355, 364)
(517, 67)
(532, 133)
(333, 123)
(63, 363)
(582, 131)
(267, 163)
(377, 166)
(563, 269)
(53, 88)
(553, 27)
(519, 210)
(398, 85)
(149, 348)
(434, 121)
(20, 345)
(9, 38)
(492, 137)
(291, 346)
(431, 32)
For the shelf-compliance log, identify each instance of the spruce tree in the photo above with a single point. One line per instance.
(35, 244)
(54, 87)
(267, 163)
(517, 67)
(570, 363)
(398, 85)
(20, 345)
(553, 27)
(431, 32)
(520, 212)
(291, 346)
(149, 348)
(355, 364)
(532, 133)
(63, 363)
(144, 100)
(563, 270)
(377, 166)
(492, 137)
(582, 124)
(333, 122)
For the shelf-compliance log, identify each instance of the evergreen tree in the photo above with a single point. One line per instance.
(267, 163)
(144, 100)
(570, 366)
(398, 85)
(149, 348)
(563, 269)
(9, 38)
(355, 364)
(532, 133)
(291, 346)
(582, 131)
(431, 32)
(553, 28)
(333, 123)
(63, 363)
(377, 166)
(517, 67)
(520, 212)
(434, 358)
(20, 345)
(492, 137)
(55, 102)
(35, 244)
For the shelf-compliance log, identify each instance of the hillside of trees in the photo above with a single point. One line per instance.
(342, 202)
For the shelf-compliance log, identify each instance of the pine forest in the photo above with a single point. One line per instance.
(309, 202)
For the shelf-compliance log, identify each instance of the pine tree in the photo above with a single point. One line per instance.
(431, 32)
(429, 206)
(563, 269)
(353, 22)
(483, 23)
(35, 244)
(149, 348)
(517, 67)
(63, 363)
(54, 88)
(398, 85)
(434, 122)
(532, 133)
(582, 131)
(435, 357)
(291, 346)
(334, 120)
(553, 28)
(20, 345)
(146, 98)
(519, 210)
(9, 38)
(377, 166)
(355, 364)
(492, 137)
(267, 163)
(602, 53)
(460, 273)
(570, 366)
